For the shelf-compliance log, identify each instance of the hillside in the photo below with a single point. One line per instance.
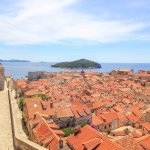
(82, 63)
(13, 60)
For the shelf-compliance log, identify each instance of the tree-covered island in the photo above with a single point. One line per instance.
(82, 63)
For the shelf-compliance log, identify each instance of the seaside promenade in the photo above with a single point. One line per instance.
(6, 139)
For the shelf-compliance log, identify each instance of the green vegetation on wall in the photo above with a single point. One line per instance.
(21, 103)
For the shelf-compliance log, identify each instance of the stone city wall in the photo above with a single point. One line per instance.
(2, 78)
(20, 142)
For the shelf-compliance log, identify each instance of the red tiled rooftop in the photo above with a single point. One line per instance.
(129, 143)
(58, 132)
(98, 104)
(96, 120)
(45, 135)
(133, 118)
(145, 143)
(107, 117)
(34, 105)
(64, 112)
(146, 125)
(88, 135)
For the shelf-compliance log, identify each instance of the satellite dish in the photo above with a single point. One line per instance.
(35, 105)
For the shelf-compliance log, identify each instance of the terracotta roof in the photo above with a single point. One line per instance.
(146, 125)
(80, 111)
(53, 126)
(65, 112)
(92, 144)
(137, 112)
(122, 118)
(119, 133)
(129, 143)
(98, 104)
(90, 138)
(58, 132)
(108, 117)
(136, 134)
(45, 135)
(145, 143)
(96, 120)
(34, 105)
(133, 118)
(115, 92)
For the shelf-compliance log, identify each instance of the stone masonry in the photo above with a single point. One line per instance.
(2, 77)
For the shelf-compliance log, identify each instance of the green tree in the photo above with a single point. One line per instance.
(43, 96)
(21, 103)
(83, 124)
(67, 131)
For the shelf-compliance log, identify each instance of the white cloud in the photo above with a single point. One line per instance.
(139, 4)
(50, 21)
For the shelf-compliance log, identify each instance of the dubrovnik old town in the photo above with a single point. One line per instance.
(76, 110)
(74, 74)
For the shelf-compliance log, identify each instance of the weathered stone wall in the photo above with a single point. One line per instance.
(20, 142)
(2, 78)
(147, 117)
(23, 144)
(34, 75)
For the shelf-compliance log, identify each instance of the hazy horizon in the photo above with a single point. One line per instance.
(41, 61)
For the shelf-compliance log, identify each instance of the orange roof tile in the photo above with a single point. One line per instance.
(145, 143)
(129, 143)
(146, 125)
(107, 117)
(88, 135)
(133, 118)
(45, 135)
(96, 120)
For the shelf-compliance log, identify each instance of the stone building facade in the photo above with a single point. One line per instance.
(34, 75)
(123, 72)
(2, 77)
(39, 75)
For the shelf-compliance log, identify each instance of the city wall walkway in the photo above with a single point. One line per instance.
(6, 138)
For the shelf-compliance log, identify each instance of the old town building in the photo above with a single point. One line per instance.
(114, 105)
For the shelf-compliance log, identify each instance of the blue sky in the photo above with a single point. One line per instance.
(60, 30)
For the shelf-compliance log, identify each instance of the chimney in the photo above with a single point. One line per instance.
(51, 104)
(77, 130)
(44, 107)
(34, 115)
(61, 144)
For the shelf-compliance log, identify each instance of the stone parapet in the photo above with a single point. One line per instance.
(2, 77)
(21, 142)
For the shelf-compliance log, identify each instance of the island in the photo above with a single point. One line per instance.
(13, 60)
(81, 63)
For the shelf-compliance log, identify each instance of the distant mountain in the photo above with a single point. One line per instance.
(43, 62)
(13, 60)
(82, 63)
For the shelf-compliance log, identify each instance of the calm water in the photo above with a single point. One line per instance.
(18, 70)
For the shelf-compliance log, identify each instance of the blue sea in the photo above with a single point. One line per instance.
(18, 70)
